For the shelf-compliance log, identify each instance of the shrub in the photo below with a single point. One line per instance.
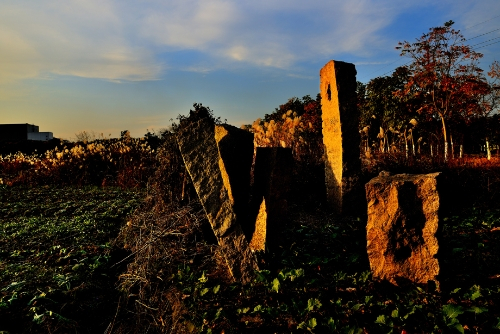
(126, 162)
(297, 125)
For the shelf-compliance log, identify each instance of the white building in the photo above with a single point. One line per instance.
(16, 132)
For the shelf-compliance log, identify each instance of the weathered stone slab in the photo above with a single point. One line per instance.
(402, 225)
(271, 191)
(340, 131)
(218, 159)
(235, 163)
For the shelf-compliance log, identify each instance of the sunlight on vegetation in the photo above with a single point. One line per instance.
(127, 162)
(107, 235)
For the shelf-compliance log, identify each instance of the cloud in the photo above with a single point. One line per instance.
(480, 27)
(80, 38)
(190, 24)
(122, 40)
(263, 33)
(19, 59)
(298, 76)
(271, 33)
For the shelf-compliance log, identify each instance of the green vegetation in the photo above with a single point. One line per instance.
(57, 273)
(56, 256)
(319, 281)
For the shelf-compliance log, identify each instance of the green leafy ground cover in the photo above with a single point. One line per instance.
(320, 282)
(56, 256)
(57, 274)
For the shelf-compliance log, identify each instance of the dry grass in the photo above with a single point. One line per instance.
(160, 242)
(166, 236)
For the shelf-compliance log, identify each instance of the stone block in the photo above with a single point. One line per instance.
(270, 195)
(340, 131)
(218, 158)
(402, 225)
(236, 150)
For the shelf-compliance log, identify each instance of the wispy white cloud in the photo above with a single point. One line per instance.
(124, 40)
(480, 27)
(187, 24)
(299, 76)
(264, 33)
(119, 40)
(81, 38)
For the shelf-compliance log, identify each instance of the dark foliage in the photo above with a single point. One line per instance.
(28, 146)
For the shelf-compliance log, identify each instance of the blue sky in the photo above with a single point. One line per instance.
(110, 65)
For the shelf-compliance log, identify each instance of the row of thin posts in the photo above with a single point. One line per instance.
(434, 149)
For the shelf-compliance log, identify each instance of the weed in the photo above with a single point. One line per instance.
(56, 256)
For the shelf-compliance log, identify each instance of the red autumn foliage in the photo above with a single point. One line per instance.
(445, 77)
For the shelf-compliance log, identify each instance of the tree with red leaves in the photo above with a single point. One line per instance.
(494, 73)
(445, 77)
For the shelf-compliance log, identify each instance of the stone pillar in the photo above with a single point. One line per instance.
(271, 190)
(402, 225)
(340, 131)
(218, 159)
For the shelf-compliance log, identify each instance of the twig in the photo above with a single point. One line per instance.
(109, 329)
(148, 307)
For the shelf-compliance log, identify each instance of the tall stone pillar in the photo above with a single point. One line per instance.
(340, 132)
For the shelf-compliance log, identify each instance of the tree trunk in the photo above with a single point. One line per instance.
(445, 139)
(413, 145)
(488, 152)
(452, 149)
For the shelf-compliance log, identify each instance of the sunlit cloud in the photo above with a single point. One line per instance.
(120, 40)
(19, 59)
(79, 38)
(269, 34)
(127, 41)
(188, 24)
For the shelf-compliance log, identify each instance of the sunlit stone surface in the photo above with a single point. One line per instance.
(340, 131)
(218, 159)
(402, 225)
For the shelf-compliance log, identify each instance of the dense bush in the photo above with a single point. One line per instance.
(297, 125)
(125, 162)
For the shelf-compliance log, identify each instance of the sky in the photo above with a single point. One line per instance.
(104, 66)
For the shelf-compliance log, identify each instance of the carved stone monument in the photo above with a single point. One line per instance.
(340, 131)
(218, 158)
(402, 225)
